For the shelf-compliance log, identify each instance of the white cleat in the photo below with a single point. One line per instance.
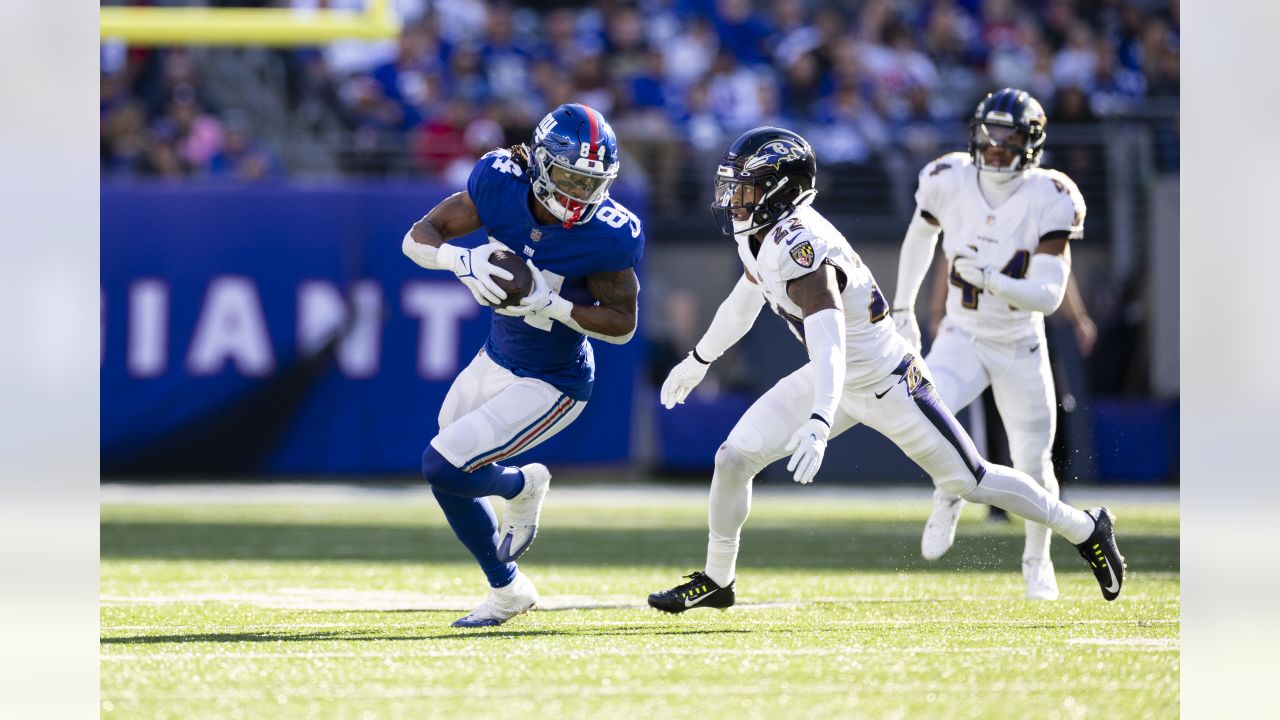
(520, 521)
(1042, 583)
(940, 531)
(502, 604)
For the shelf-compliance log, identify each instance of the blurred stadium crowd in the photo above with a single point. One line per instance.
(879, 87)
(863, 79)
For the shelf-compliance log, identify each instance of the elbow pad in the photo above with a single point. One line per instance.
(824, 336)
(1041, 290)
(914, 261)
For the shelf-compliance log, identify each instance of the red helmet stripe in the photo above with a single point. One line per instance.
(595, 131)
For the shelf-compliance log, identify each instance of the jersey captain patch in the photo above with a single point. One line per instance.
(803, 254)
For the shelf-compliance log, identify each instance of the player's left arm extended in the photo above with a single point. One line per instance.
(1044, 285)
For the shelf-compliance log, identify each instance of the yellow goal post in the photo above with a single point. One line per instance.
(247, 26)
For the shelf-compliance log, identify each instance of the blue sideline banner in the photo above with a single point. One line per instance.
(280, 330)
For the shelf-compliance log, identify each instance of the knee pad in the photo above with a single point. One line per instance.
(439, 472)
(732, 462)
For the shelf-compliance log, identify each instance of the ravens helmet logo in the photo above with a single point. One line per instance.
(773, 155)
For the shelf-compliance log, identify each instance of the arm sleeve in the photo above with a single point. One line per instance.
(914, 260)
(824, 336)
(735, 317)
(1041, 290)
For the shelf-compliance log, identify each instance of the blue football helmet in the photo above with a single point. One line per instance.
(574, 161)
(1010, 120)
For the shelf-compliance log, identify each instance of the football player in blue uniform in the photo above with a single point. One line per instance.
(548, 201)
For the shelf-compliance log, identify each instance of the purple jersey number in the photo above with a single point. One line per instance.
(1016, 268)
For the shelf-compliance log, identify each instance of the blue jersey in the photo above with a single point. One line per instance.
(611, 241)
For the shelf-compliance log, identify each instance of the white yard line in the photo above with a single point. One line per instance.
(527, 690)
(1154, 643)
(376, 649)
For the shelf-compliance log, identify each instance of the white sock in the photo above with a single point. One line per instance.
(727, 510)
(1017, 493)
(509, 590)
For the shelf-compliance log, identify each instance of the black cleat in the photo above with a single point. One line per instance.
(700, 591)
(1103, 556)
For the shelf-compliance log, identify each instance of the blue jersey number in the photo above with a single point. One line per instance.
(503, 162)
(507, 165)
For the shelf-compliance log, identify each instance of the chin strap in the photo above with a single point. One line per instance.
(802, 200)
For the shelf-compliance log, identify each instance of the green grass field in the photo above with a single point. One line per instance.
(319, 602)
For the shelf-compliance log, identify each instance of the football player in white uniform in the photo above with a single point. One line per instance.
(860, 371)
(1006, 225)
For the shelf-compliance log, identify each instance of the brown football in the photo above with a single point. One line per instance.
(521, 282)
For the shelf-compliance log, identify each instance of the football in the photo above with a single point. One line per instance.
(522, 281)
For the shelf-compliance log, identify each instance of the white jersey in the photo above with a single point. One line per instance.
(1006, 237)
(798, 245)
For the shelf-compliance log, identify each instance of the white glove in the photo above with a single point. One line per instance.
(682, 379)
(971, 272)
(542, 305)
(809, 444)
(904, 319)
(473, 268)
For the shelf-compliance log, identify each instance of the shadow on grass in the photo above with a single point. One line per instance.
(458, 634)
(862, 545)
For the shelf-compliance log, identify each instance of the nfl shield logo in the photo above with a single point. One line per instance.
(535, 234)
(803, 254)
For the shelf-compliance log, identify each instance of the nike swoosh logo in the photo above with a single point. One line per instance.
(882, 394)
(1035, 347)
(1115, 584)
(690, 603)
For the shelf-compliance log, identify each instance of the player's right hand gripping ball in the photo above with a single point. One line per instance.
(521, 282)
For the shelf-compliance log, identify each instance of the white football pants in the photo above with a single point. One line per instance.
(491, 414)
(904, 408)
(1022, 381)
